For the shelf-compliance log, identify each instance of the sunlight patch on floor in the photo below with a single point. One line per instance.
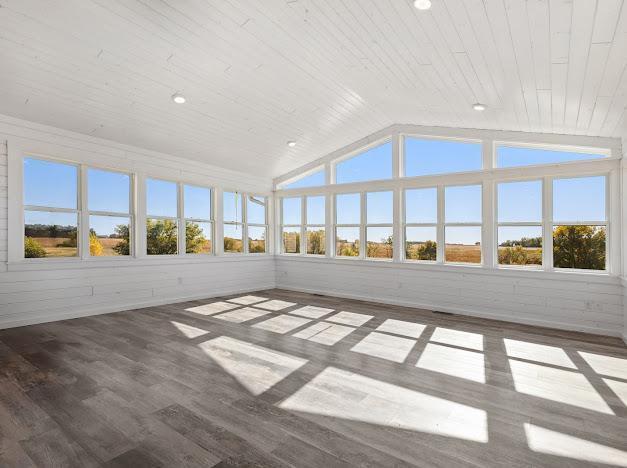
(537, 352)
(282, 324)
(188, 330)
(606, 365)
(455, 362)
(349, 318)
(400, 327)
(247, 300)
(324, 333)
(213, 308)
(458, 338)
(619, 388)
(242, 315)
(256, 368)
(275, 305)
(551, 442)
(562, 386)
(380, 345)
(311, 311)
(341, 394)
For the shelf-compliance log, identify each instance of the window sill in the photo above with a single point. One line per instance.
(577, 275)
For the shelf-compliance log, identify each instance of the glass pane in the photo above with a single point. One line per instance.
(421, 243)
(316, 210)
(161, 237)
(108, 191)
(316, 241)
(421, 205)
(462, 244)
(373, 164)
(256, 239)
(291, 240)
(462, 204)
(313, 180)
(520, 201)
(425, 157)
(347, 242)
(291, 211)
(161, 198)
(348, 208)
(109, 236)
(580, 199)
(379, 242)
(256, 210)
(520, 245)
(233, 238)
(510, 156)
(197, 237)
(580, 247)
(48, 234)
(232, 207)
(50, 184)
(379, 207)
(197, 201)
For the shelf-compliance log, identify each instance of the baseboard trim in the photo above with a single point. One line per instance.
(62, 314)
(462, 311)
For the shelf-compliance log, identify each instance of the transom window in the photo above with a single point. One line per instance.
(314, 179)
(371, 164)
(517, 156)
(436, 156)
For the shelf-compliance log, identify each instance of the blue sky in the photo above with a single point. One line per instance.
(510, 156)
(376, 163)
(426, 157)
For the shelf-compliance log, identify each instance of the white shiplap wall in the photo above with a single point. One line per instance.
(40, 292)
(572, 302)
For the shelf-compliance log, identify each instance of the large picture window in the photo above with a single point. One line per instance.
(256, 223)
(233, 222)
(51, 209)
(161, 217)
(519, 216)
(421, 222)
(462, 224)
(379, 221)
(348, 225)
(580, 223)
(110, 220)
(315, 229)
(198, 219)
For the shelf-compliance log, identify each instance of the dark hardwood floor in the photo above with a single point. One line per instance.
(277, 378)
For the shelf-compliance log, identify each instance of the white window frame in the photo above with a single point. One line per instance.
(180, 230)
(247, 224)
(540, 224)
(78, 211)
(436, 225)
(296, 227)
(306, 226)
(184, 219)
(84, 186)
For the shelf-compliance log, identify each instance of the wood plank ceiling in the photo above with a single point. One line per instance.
(322, 72)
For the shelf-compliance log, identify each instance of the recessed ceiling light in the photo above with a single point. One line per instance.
(178, 98)
(478, 106)
(291, 143)
(422, 4)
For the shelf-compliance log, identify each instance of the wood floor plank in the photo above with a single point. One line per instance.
(174, 385)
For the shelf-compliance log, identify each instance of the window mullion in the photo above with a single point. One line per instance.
(440, 226)
(547, 223)
(83, 222)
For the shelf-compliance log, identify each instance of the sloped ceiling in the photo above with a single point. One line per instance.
(322, 72)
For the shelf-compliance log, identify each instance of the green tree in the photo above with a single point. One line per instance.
(33, 249)
(161, 237)
(427, 251)
(315, 242)
(579, 247)
(195, 239)
(123, 247)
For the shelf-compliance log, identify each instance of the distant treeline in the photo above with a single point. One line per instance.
(523, 242)
(49, 230)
